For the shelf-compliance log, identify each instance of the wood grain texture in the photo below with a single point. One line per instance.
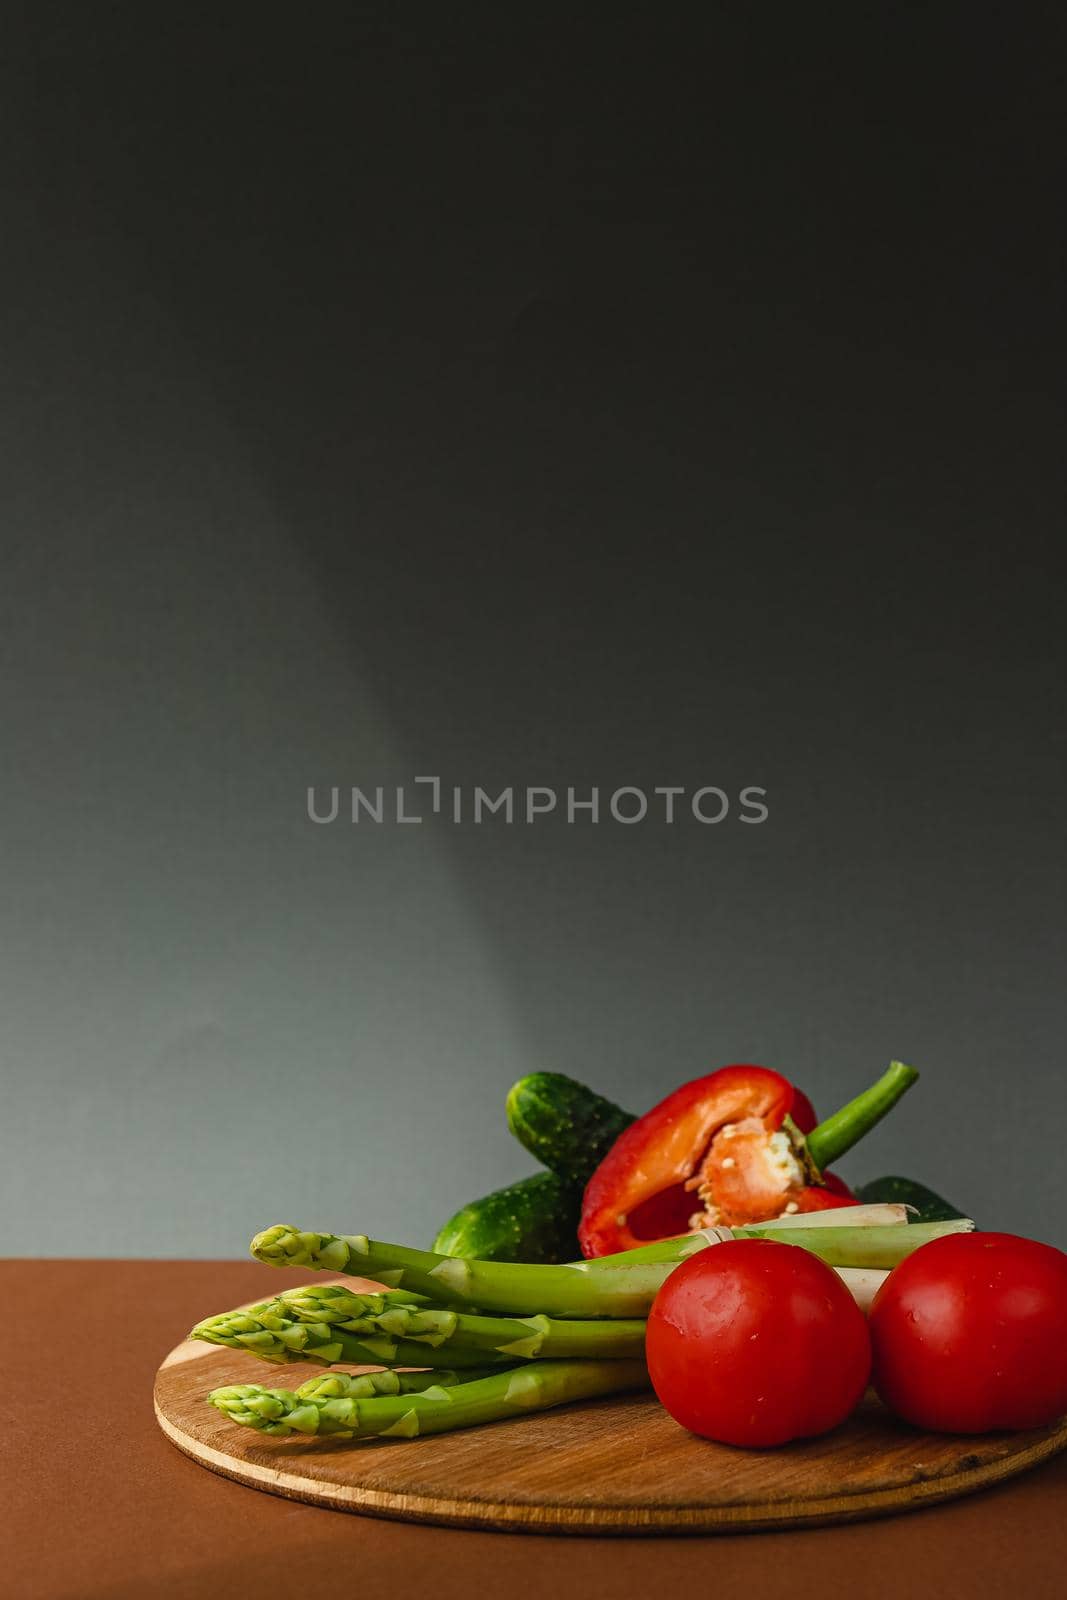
(606, 1466)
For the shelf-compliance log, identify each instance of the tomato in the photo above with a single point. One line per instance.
(754, 1343)
(970, 1333)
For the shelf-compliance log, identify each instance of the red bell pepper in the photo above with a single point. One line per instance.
(739, 1145)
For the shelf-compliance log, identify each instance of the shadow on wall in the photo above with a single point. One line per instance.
(548, 458)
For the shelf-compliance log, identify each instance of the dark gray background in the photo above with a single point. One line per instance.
(520, 399)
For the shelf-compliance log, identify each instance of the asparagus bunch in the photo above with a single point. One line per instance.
(622, 1285)
(343, 1409)
(328, 1323)
(268, 1331)
(518, 1337)
(285, 1411)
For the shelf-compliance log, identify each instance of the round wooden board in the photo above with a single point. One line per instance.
(606, 1466)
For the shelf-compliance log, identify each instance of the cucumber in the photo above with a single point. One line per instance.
(570, 1130)
(905, 1191)
(535, 1219)
(565, 1125)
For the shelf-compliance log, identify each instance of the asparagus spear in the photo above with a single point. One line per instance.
(494, 1285)
(436, 1409)
(508, 1336)
(874, 1233)
(334, 1385)
(266, 1409)
(623, 1285)
(268, 1332)
(882, 1245)
(686, 1244)
(866, 1247)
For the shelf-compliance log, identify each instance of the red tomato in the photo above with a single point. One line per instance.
(970, 1333)
(755, 1343)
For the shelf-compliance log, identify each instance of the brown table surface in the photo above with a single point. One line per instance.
(97, 1503)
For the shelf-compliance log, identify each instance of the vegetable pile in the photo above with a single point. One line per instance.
(739, 1145)
(498, 1338)
(722, 1263)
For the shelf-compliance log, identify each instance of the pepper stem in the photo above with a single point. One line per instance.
(847, 1126)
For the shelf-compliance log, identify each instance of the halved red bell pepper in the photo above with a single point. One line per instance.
(728, 1148)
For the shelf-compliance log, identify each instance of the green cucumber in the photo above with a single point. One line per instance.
(535, 1219)
(570, 1130)
(905, 1191)
(567, 1127)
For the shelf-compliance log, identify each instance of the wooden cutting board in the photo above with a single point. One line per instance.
(604, 1466)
